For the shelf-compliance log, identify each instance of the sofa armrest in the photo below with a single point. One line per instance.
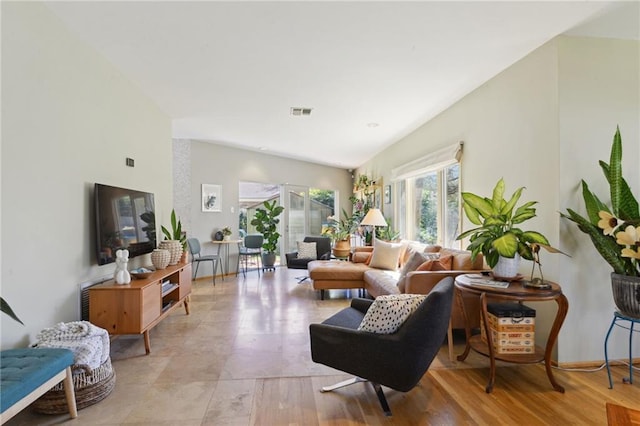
(292, 255)
(363, 249)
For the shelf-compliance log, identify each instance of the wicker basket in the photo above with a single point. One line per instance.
(89, 389)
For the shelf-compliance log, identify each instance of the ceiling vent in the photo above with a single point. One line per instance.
(300, 112)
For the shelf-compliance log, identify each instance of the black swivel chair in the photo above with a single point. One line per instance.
(250, 247)
(397, 360)
(194, 249)
(323, 250)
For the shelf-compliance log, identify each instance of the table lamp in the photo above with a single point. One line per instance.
(374, 218)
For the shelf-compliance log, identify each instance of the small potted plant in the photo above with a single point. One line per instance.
(340, 233)
(497, 236)
(266, 222)
(171, 237)
(226, 233)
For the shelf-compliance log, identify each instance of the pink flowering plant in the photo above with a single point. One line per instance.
(615, 230)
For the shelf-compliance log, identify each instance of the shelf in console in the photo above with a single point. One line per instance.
(168, 288)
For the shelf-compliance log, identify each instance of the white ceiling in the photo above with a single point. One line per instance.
(228, 72)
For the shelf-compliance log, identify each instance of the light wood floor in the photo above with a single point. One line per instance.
(242, 358)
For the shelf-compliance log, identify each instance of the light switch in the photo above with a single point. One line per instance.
(232, 209)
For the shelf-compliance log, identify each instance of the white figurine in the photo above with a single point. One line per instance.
(122, 275)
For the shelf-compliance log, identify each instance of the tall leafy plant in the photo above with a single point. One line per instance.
(613, 230)
(498, 233)
(4, 307)
(266, 222)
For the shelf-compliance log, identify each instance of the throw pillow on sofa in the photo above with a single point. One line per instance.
(387, 313)
(385, 255)
(307, 250)
(443, 263)
(415, 259)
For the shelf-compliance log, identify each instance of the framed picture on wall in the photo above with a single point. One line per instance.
(211, 198)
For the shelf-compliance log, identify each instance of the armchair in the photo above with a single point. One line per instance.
(397, 360)
(323, 249)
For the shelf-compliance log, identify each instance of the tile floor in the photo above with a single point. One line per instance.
(203, 367)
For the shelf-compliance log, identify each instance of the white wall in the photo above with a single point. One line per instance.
(543, 123)
(599, 81)
(69, 119)
(226, 166)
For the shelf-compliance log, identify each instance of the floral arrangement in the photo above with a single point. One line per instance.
(615, 230)
(226, 231)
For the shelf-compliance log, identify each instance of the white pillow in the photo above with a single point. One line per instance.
(307, 250)
(387, 313)
(385, 255)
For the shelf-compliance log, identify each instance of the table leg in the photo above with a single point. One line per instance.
(492, 355)
(563, 308)
(606, 352)
(220, 260)
(147, 342)
(467, 327)
(631, 353)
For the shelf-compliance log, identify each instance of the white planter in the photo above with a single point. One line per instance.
(507, 267)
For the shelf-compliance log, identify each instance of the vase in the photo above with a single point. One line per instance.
(226, 238)
(506, 267)
(160, 258)
(626, 294)
(175, 250)
(342, 248)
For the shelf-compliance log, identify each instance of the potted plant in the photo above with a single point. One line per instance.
(615, 231)
(497, 237)
(266, 222)
(226, 233)
(4, 307)
(175, 240)
(340, 233)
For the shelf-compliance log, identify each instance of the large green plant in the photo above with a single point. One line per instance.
(497, 234)
(611, 228)
(176, 231)
(339, 230)
(266, 222)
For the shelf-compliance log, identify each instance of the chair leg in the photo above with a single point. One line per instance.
(382, 399)
(195, 274)
(214, 265)
(354, 380)
(342, 384)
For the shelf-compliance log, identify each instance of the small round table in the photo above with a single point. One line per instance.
(617, 316)
(470, 283)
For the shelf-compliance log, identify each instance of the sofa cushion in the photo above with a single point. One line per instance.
(336, 270)
(387, 313)
(443, 263)
(385, 255)
(360, 256)
(379, 282)
(462, 260)
(415, 259)
(307, 250)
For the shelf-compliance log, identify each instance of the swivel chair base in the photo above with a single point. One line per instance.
(354, 380)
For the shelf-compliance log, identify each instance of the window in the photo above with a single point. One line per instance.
(428, 202)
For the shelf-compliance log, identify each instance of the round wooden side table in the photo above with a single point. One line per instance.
(514, 291)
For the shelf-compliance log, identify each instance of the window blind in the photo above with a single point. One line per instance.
(435, 160)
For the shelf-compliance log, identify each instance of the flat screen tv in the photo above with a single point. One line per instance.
(125, 219)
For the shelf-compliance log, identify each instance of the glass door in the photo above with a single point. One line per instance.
(296, 217)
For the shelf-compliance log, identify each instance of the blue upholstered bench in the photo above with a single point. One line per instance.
(26, 374)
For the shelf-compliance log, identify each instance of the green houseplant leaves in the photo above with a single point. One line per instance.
(496, 234)
(266, 222)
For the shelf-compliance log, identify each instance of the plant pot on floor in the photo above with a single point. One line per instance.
(626, 294)
(268, 260)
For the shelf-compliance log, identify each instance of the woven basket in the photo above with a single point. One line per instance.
(626, 294)
(89, 389)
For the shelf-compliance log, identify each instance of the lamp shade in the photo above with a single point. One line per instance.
(374, 217)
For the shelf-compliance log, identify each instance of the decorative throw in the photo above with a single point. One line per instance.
(385, 255)
(89, 343)
(444, 263)
(307, 250)
(387, 313)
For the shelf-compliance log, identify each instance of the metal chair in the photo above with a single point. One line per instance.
(250, 247)
(194, 249)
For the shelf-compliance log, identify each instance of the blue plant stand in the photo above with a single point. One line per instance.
(617, 316)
